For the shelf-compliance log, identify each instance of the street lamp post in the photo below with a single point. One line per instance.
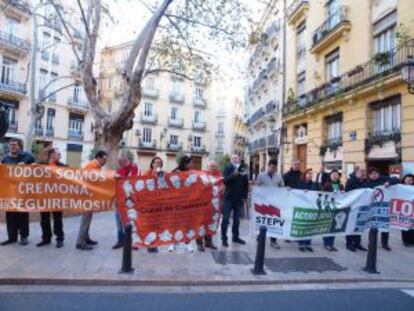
(407, 73)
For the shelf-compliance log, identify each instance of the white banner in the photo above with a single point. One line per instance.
(298, 214)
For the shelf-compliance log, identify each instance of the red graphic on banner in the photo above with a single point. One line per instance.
(402, 213)
(269, 210)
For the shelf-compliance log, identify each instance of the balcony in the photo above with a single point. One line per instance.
(150, 93)
(383, 144)
(331, 30)
(198, 149)
(45, 55)
(16, 8)
(272, 141)
(177, 98)
(176, 123)
(12, 128)
(220, 134)
(75, 135)
(199, 102)
(199, 126)
(12, 88)
(13, 44)
(296, 10)
(50, 132)
(148, 119)
(258, 144)
(174, 146)
(38, 131)
(55, 59)
(152, 144)
(78, 104)
(360, 78)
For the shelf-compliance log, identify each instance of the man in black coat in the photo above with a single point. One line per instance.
(375, 180)
(235, 194)
(292, 178)
(17, 222)
(356, 180)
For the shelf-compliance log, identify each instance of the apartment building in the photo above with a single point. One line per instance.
(264, 96)
(66, 123)
(174, 116)
(346, 104)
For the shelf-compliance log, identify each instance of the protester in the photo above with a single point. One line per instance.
(356, 180)
(407, 236)
(126, 169)
(53, 159)
(292, 178)
(322, 177)
(375, 180)
(271, 178)
(84, 242)
(17, 222)
(212, 169)
(332, 185)
(235, 194)
(156, 168)
(184, 164)
(307, 184)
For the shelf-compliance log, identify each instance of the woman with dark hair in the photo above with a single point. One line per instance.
(332, 185)
(185, 163)
(53, 159)
(408, 235)
(306, 184)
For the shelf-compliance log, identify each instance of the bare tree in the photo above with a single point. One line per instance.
(178, 24)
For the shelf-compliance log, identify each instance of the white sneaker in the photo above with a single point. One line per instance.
(171, 248)
(190, 248)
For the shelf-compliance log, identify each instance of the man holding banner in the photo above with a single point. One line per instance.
(17, 222)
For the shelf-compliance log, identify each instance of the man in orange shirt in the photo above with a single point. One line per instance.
(84, 242)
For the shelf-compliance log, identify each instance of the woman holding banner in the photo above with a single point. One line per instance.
(332, 185)
(306, 184)
(156, 169)
(184, 164)
(408, 235)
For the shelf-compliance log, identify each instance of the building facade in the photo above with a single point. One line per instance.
(66, 123)
(346, 104)
(264, 96)
(174, 116)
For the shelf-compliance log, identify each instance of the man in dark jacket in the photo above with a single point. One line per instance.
(17, 222)
(292, 178)
(356, 180)
(236, 189)
(375, 180)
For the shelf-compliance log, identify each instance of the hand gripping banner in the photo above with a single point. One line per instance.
(171, 208)
(298, 214)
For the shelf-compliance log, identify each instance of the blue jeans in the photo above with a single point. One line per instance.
(329, 241)
(119, 227)
(229, 206)
(303, 243)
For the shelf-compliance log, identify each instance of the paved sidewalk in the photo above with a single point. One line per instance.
(48, 265)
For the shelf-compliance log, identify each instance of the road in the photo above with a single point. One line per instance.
(304, 300)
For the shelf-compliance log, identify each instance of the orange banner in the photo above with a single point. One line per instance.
(172, 208)
(40, 188)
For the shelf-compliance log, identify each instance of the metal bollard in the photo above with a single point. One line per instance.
(260, 253)
(127, 251)
(371, 266)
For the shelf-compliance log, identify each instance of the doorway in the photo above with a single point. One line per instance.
(301, 152)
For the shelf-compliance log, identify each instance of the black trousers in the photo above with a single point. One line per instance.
(229, 206)
(17, 223)
(385, 236)
(353, 240)
(407, 237)
(47, 229)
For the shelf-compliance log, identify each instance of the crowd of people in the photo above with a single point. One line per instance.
(235, 191)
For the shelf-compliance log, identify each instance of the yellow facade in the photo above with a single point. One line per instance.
(156, 132)
(346, 104)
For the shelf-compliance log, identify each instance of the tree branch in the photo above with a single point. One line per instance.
(42, 99)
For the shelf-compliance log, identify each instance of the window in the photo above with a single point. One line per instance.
(385, 33)
(197, 141)
(220, 144)
(110, 83)
(174, 113)
(301, 48)
(334, 127)
(147, 135)
(76, 125)
(148, 109)
(332, 65)
(8, 70)
(334, 16)
(12, 111)
(199, 93)
(387, 119)
(53, 85)
(150, 83)
(11, 27)
(77, 93)
(301, 84)
(42, 81)
(38, 124)
(197, 117)
(174, 139)
(176, 87)
(220, 127)
(50, 121)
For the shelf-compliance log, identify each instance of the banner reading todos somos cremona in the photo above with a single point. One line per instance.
(40, 188)
(170, 208)
(298, 214)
